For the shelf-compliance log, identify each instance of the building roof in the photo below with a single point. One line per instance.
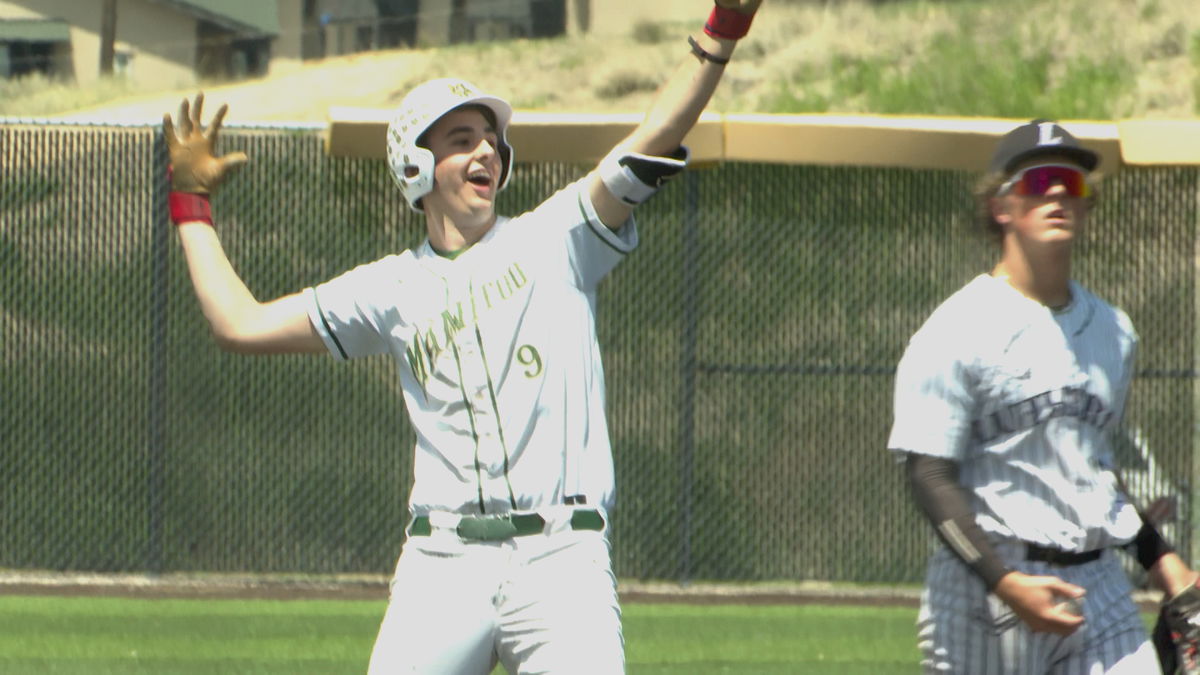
(252, 17)
(34, 30)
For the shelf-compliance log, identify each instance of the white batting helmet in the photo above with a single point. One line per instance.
(411, 164)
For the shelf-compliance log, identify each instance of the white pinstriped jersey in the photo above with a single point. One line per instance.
(1023, 398)
(497, 354)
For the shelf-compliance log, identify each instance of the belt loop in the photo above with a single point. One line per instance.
(420, 527)
(587, 519)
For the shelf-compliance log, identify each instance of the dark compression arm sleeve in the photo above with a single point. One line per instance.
(945, 503)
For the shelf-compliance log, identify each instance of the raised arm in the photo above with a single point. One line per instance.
(676, 107)
(239, 322)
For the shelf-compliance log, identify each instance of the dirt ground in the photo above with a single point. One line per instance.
(367, 587)
(374, 587)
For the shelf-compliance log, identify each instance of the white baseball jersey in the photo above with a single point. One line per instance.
(497, 354)
(1023, 398)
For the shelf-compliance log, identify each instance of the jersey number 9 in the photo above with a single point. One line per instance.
(528, 355)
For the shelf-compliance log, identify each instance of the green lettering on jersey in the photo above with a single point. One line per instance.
(428, 343)
(517, 275)
(417, 362)
(451, 324)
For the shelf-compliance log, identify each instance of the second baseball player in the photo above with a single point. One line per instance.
(1004, 402)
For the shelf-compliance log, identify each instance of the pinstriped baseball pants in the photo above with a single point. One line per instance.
(964, 629)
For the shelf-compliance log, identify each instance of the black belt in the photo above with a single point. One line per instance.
(500, 527)
(1057, 556)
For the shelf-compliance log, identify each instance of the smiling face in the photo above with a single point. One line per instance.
(467, 170)
(1047, 208)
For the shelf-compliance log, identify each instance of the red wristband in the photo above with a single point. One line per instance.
(727, 24)
(189, 207)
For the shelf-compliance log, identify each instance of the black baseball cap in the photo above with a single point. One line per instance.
(1039, 137)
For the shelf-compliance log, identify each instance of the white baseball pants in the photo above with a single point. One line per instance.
(544, 603)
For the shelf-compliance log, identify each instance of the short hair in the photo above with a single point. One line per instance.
(985, 190)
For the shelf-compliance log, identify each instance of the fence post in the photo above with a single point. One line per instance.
(690, 248)
(156, 432)
(1193, 512)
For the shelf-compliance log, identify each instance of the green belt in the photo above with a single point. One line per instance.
(496, 528)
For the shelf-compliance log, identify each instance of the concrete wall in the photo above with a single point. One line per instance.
(433, 23)
(304, 38)
(962, 143)
(617, 17)
(160, 39)
(288, 48)
(484, 19)
(344, 19)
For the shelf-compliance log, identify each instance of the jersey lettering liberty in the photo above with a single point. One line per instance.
(1068, 401)
(1025, 407)
(497, 354)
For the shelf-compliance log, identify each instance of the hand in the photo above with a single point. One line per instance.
(194, 168)
(1039, 602)
(1176, 635)
(743, 6)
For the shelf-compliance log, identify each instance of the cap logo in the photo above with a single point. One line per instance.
(1046, 134)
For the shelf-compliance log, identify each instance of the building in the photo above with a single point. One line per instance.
(173, 43)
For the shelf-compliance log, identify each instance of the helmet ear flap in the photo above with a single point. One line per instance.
(412, 170)
(506, 161)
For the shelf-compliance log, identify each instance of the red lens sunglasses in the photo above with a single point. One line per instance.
(1036, 181)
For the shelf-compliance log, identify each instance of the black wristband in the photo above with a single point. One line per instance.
(704, 55)
(1148, 546)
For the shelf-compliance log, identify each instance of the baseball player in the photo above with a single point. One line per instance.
(491, 324)
(1004, 400)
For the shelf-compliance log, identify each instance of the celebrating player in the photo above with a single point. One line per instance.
(491, 323)
(1004, 401)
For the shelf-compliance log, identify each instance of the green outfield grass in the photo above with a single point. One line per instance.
(101, 636)
(769, 639)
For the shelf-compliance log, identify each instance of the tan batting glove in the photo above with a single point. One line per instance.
(194, 167)
(743, 6)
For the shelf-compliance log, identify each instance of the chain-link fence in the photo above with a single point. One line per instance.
(749, 347)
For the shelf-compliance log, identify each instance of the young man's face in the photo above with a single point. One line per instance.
(1045, 200)
(467, 168)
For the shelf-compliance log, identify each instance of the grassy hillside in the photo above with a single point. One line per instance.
(1073, 59)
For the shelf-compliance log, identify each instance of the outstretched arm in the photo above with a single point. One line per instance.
(680, 99)
(239, 322)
